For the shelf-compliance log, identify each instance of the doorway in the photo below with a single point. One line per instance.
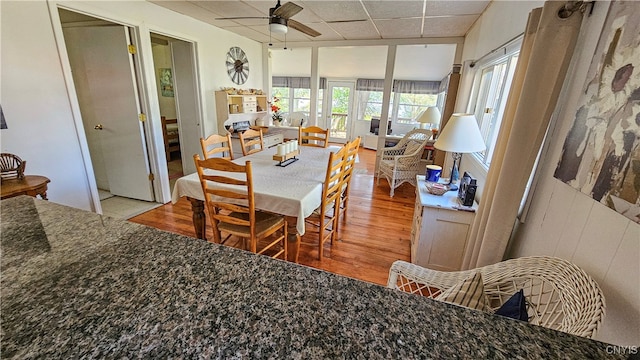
(340, 110)
(105, 76)
(176, 80)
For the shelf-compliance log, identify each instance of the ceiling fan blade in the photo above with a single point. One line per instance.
(302, 28)
(345, 21)
(242, 17)
(287, 10)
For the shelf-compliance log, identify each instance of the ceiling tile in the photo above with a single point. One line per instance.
(394, 9)
(455, 7)
(394, 29)
(229, 8)
(304, 16)
(335, 10)
(327, 33)
(249, 32)
(356, 30)
(394, 19)
(195, 11)
(448, 26)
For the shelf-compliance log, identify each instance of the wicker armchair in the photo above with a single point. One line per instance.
(398, 166)
(559, 294)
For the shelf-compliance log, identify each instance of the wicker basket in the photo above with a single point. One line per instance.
(437, 189)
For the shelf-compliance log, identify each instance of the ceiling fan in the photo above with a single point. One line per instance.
(280, 19)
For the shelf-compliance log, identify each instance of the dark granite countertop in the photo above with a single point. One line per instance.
(77, 284)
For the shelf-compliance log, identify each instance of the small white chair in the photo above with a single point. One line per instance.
(560, 295)
(297, 119)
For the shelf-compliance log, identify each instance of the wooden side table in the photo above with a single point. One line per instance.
(31, 185)
(440, 231)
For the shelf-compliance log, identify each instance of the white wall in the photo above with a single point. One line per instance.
(162, 60)
(291, 62)
(35, 99)
(351, 62)
(566, 223)
(36, 105)
(413, 62)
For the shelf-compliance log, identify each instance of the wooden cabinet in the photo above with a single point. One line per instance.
(440, 231)
(239, 108)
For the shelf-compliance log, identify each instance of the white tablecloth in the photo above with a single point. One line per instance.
(294, 190)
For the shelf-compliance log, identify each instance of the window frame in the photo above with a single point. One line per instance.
(497, 91)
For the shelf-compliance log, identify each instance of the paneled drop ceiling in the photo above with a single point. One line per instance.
(339, 20)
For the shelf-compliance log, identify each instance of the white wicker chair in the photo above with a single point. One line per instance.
(559, 294)
(398, 167)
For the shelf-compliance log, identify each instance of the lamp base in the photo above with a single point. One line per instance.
(453, 178)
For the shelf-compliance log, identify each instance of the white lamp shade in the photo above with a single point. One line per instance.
(461, 134)
(430, 116)
(278, 28)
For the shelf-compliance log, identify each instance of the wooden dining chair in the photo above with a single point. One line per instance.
(325, 218)
(350, 161)
(215, 144)
(229, 197)
(251, 141)
(313, 136)
(171, 136)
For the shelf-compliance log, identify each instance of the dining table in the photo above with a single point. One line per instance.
(294, 190)
(80, 285)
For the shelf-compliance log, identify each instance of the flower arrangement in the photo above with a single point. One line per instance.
(275, 110)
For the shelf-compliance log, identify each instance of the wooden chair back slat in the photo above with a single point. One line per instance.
(231, 205)
(249, 139)
(313, 136)
(328, 212)
(349, 164)
(217, 144)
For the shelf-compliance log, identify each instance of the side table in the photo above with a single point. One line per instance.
(440, 230)
(31, 185)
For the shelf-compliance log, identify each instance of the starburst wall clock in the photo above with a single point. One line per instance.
(237, 65)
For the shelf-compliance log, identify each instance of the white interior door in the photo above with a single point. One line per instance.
(340, 110)
(105, 81)
(186, 96)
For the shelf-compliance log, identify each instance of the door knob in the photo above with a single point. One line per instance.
(98, 127)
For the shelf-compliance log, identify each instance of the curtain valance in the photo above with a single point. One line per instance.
(296, 82)
(400, 86)
(416, 87)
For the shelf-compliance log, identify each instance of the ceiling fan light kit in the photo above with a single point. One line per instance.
(280, 19)
(278, 25)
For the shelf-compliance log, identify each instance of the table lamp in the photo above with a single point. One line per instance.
(429, 116)
(460, 135)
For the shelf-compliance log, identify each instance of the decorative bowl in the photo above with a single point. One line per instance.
(436, 188)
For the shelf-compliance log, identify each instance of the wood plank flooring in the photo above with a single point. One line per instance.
(375, 234)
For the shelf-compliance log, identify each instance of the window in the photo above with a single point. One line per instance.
(411, 105)
(408, 100)
(282, 93)
(301, 100)
(369, 104)
(295, 94)
(489, 97)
